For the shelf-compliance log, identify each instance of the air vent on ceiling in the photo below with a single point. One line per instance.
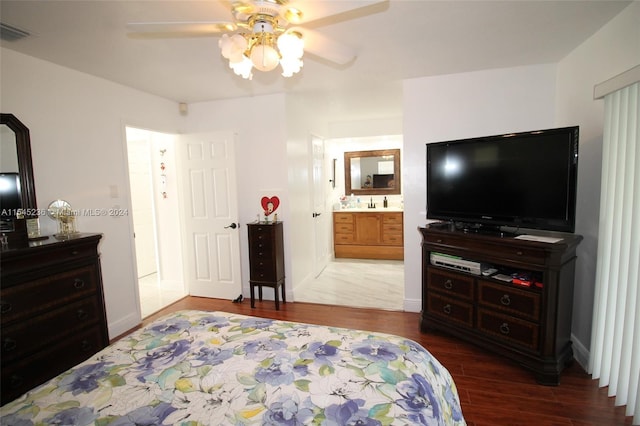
(9, 33)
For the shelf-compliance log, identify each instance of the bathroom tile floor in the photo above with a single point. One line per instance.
(358, 283)
(153, 297)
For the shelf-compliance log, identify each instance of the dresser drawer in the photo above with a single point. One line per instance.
(343, 217)
(27, 336)
(522, 303)
(453, 284)
(343, 228)
(262, 269)
(343, 239)
(508, 328)
(450, 309)
(392, 228)
(392, 218)
(392, 239)
(21, 301)
(26, 373)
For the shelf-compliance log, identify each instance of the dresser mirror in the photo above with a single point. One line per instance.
(374, 172)
(16, 168)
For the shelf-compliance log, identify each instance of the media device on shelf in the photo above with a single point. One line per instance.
(523, 180)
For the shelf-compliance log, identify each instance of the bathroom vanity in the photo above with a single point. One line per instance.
(368, 234)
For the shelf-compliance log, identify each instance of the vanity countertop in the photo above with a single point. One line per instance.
(373, 210)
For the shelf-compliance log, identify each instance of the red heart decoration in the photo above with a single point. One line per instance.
(265, 201)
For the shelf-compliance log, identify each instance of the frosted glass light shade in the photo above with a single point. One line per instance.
(264, 57)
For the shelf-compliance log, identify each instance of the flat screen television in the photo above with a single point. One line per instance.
(10, 196)
(523, 180)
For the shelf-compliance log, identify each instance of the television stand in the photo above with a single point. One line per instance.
(530, 325)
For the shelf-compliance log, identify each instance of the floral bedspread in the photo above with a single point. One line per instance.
(210, 368)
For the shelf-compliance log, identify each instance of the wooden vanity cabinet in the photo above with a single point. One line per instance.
(51, 310)
(528, 324)
(368, 235)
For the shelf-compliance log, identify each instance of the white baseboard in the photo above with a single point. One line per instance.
(412, 305)
(123, 325)
(580, 353)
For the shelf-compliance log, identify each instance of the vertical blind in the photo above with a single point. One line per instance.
(615, 340)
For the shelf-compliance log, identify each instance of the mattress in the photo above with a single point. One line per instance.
(212, 368)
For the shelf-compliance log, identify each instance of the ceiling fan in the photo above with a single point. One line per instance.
(266, 33)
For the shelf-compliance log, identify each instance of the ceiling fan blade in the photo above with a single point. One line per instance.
(324, 47)
(314, 11)
(181, 28)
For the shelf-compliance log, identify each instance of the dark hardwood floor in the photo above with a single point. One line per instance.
(493, 390)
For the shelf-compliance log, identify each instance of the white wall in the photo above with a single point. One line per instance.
(457, 106)
(77, 125)
(611, 51)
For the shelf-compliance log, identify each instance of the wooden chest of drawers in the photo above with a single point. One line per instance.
(51, 310)
(531, 325)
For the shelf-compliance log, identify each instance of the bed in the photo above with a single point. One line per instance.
(210, 368)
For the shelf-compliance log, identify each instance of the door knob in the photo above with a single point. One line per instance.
(316, 214)
(232, 226)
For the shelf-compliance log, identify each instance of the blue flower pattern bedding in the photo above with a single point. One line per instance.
(211, 368)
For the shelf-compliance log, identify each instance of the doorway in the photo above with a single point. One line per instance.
(154, 209)
(353, 282)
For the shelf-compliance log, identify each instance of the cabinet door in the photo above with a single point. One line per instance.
(368, 228)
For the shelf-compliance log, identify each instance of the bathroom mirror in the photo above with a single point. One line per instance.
(372, 172)
(15, 152)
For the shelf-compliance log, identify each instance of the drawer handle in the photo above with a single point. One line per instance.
(74, 253)
(82, 314)
(5, 307)
(78, 283)
(447, 309)
(86, 345)
(505, 300)
(519, 253)
(439, 240)
(448, 284)
(9, 344)
(504, 328)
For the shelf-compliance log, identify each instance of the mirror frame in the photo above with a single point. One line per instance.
(372, 191)
(25, 165)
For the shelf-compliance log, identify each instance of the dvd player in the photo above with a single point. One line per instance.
(457, 263)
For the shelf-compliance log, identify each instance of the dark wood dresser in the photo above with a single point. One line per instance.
(527, 320)
(266, 259)
(52, 310)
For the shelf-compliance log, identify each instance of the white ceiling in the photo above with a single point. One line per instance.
(394, 40)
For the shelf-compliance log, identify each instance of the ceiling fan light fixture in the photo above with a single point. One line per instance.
(263, 49)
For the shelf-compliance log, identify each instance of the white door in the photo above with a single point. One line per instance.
(320, 217)
(211, 235)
